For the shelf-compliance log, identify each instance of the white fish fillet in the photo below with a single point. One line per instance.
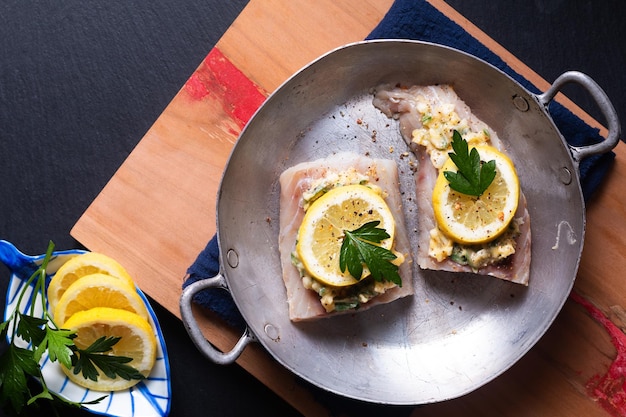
(304, 304)
(401, 103)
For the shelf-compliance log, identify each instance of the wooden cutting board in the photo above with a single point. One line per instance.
(158, 212)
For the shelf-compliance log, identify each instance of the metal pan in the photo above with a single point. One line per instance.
(458, 331)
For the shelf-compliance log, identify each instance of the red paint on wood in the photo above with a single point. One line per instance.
(608, 389)
(219, 79)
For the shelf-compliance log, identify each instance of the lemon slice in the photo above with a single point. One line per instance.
(98, 290)
(79, 266)
(321, 232)
(137, 342)
(472, 220)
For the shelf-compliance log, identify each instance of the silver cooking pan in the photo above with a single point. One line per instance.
(458, 331)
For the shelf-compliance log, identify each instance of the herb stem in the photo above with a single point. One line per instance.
(42, 334)
(14, 314)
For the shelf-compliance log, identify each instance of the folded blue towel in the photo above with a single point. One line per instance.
(418, 20)
(207, 265)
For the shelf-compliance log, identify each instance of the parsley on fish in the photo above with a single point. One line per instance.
(473, 176)
(359, 249)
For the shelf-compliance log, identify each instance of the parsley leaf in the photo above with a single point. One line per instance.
(41, 334)
(358, 250)
(59, 343)
(16, 364)
(89, 360)
(29, 328)
(3, 329)
(473, 176)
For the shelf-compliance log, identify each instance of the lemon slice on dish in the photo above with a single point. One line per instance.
(98, 290)
(137, 341)
(473, 220)
(322, 230)
(79, 266)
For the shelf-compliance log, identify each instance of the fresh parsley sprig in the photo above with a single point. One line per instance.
(41, 334)
(473, 176)
(86, 361)
(358, 250)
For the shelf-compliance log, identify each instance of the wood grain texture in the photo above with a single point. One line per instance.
(158, 211)
(274, 38)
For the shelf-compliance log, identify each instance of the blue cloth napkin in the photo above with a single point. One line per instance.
(418, 20)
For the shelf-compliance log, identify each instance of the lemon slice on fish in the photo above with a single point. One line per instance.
(321, 232)
(473, 220)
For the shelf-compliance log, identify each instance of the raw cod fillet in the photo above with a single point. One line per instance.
(401, 104)
(304, 304)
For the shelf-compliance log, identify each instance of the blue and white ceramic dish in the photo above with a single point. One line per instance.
(150, 397)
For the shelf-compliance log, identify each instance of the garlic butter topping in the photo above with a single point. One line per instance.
(436, 132)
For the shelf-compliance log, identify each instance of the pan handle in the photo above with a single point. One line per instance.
(604, 104)
(191, 325)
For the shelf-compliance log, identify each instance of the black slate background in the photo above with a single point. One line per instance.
(82, 81)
